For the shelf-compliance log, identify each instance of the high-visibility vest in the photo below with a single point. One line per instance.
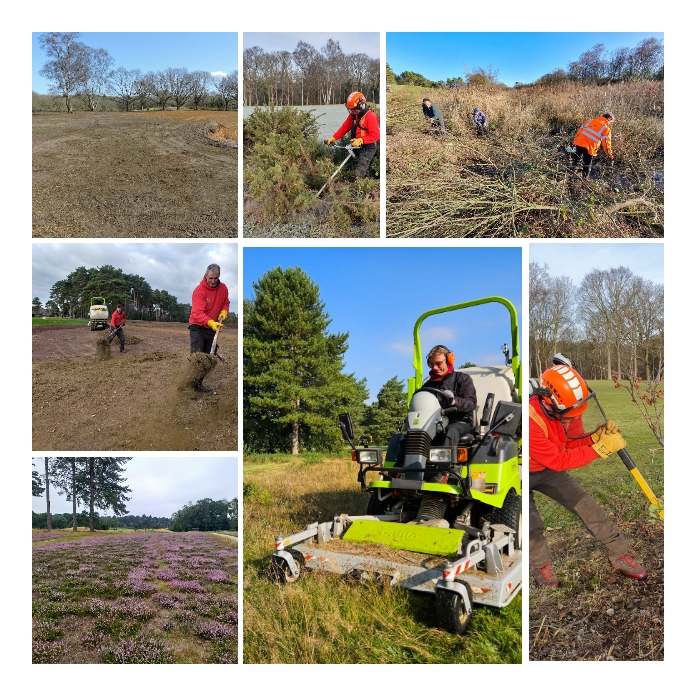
(594, 133)
(538, 419)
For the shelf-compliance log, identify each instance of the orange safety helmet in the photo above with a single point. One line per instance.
(355, 100)
(568, 391)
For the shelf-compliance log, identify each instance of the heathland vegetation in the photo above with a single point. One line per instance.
(517, 180)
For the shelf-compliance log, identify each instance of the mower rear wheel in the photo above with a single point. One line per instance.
(280, 570)
(451, 614)
(509, 515)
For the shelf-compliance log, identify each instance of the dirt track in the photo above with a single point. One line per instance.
(131, 401)
(116, 174)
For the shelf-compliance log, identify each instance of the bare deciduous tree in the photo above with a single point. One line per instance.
(66, 68)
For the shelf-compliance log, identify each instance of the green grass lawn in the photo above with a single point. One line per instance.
(58, 321)
(324, 618)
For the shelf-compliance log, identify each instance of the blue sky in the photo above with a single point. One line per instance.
(519, 56)
(351, 42)
(210, 51)
(377, 294)
(645, 259)
(161, 486)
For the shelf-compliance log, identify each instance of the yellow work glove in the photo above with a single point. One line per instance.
(608, 428)
(609, 443)
(223, 316)
(357, 142)
(214, 325)
(330, 141)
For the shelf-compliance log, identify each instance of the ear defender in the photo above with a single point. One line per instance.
(450, 356)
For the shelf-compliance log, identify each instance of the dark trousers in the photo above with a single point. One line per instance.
(566, 490)
(454, 431)
(366, 153)
(438, 123)
(120, 335)
(201, 338)
(582, 154)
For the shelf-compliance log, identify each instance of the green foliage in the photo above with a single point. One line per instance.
(71, 296)
(285, 163)
(37, 484)
(390, 76)
(293, 386)
(409, 77)
(389, 409)
(206, 515)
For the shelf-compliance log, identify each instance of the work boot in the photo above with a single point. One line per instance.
(629, 566)
(545, 576)
(200, 388)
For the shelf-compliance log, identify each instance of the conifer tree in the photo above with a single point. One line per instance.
(389, 409)
(294, 387)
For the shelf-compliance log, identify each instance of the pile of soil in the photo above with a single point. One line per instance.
(103, 350)
(198, 366)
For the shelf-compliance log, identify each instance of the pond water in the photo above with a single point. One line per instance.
(331, 117)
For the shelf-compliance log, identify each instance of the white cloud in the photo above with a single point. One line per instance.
(218, 74)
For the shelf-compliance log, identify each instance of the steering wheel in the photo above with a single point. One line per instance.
(437, 392)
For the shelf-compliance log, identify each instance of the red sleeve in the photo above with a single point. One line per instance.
(344, 128)
(549, 455)
(198, 303)
(373, 127)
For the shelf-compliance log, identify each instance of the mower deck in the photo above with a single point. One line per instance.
(322, 547)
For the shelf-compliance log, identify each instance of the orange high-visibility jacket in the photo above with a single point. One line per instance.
(594, 133)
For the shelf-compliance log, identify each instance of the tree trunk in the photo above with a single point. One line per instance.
(92, 495)
(75, 512)
(48, 501)
(608, 358)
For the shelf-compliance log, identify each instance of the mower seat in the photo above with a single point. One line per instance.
(498, 380)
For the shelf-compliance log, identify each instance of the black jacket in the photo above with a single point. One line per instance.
(462, 387)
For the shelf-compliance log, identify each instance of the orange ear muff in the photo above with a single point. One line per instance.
(451, 358)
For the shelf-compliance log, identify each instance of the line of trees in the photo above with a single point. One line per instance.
(598, 66)
(77, 71)
(70, 297)
(613, 322)
(207, 515)
(307, 75)
(97, 483)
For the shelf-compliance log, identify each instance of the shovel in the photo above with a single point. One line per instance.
(215, 343)
(351, 150)
(112, 334)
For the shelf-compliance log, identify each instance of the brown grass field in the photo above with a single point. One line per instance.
(135, 174)
(516, 180)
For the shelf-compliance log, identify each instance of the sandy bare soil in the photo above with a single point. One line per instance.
(117, 174)
(130, 401)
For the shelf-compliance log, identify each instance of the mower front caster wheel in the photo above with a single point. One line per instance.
(451, 614)
(280, 571)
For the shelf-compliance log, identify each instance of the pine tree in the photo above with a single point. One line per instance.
(37, 485)
(389, 409)
(294, 387)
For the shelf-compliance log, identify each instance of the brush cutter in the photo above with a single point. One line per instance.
(628, 462)
(350, 148)
(440, 520)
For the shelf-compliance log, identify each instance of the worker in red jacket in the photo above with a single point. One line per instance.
(118, 320)
(558, 442)
(593, 134)
(209, 310)
(363, 126)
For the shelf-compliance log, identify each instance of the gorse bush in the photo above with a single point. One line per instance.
(286, 164)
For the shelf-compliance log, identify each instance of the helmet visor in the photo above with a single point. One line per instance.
(582, 424)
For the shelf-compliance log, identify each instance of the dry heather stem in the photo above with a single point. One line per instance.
(517, 181)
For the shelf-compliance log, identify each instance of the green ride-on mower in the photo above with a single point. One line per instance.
(445, 521)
